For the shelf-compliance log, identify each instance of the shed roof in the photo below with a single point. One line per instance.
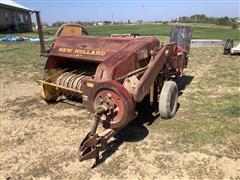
(14, 4)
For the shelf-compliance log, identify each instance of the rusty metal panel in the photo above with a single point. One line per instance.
(95, 49)
(182, 35)
(98, 49)
(117, 55)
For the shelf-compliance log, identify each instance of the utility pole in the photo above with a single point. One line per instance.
(112, 18)
(142, 13)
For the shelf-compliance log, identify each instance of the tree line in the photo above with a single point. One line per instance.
(86, 23)
(197, 18)
(202, 18)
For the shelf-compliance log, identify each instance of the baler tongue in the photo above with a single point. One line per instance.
(88, 148)
(93, 143)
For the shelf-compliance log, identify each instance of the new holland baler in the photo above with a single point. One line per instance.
(110, 75)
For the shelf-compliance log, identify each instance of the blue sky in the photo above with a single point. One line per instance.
(95, 10)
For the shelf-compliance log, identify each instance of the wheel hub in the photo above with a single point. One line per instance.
(110, 106)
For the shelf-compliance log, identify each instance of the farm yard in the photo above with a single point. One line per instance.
(40, 140)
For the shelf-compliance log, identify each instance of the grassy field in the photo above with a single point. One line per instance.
(202, 141)
(199, 31)
(164, 30)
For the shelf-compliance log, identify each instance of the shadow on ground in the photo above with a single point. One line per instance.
(183, 82)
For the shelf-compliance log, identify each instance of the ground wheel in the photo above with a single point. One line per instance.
(168, 100)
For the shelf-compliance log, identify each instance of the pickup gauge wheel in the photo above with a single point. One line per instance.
(168, 100)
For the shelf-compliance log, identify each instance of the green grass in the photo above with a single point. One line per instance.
(202, 25)
(164, 30)
(199, 32)
(148, 29)
(215, 33)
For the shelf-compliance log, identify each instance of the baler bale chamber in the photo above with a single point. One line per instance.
(110, 75)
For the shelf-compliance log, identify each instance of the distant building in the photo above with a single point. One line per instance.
(98, 23)
(44, 25)
(14, 17)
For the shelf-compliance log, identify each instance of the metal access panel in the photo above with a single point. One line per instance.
(182, 35)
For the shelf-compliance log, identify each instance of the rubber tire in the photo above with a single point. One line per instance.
(168, 92)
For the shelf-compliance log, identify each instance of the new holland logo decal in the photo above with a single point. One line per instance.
(80, 52)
